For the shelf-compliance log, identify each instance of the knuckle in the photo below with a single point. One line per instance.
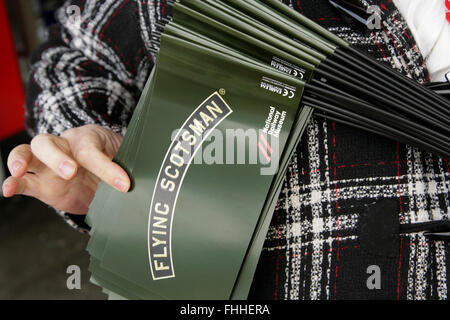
(70, 134)
(80, 135)
(39, 140)
(91, 126)
(84, 151)
(18, 152)
(96, 131)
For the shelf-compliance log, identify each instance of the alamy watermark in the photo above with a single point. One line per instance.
(374, 280)
(374, 20)
(229, 147)
(74, 278)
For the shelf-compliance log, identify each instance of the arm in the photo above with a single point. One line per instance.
(90, 71)
(84, 84)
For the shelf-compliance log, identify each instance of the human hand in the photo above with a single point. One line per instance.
(64, 171)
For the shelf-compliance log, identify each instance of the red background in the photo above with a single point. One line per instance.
(11, 87)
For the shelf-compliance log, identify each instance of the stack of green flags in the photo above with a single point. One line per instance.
(232, 91)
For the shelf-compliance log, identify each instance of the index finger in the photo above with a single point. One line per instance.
(90, 157)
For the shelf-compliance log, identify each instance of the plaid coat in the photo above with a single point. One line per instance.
(350, 220)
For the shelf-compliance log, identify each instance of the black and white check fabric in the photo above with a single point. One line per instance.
(93, 70)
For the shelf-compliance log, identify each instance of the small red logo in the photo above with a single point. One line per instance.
(263, 145)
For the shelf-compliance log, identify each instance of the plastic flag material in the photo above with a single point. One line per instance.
(233, 89)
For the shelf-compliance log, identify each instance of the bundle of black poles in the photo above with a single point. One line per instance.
(342, 84)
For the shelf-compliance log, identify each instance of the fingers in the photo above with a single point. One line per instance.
(10, 186)
(93, 148)
(25, 185)
(54, 152)
(90, 157)
(84, 147)
(19, 160)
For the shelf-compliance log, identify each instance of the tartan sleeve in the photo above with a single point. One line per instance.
(92, 68)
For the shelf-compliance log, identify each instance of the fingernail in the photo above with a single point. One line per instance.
(16, 166)
(67, 169)
(120, 185)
